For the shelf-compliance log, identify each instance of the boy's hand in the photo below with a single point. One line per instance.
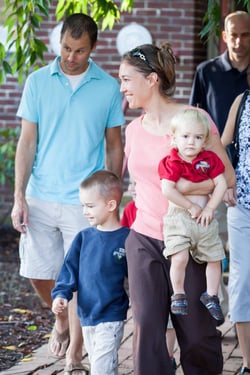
(195, 210)
(206, 216)
(59, 304)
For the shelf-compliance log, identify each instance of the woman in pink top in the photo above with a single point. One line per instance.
(147, 76)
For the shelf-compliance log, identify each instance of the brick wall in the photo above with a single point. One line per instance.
(178, 22)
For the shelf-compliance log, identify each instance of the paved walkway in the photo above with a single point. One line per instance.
(41, 364)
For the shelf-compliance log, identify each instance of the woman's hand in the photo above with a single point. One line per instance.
(230, 197)
(195, 188)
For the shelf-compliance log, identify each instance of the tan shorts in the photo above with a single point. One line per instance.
(49, 234)
(182, 232)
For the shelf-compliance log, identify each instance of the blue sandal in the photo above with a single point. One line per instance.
(179, 304)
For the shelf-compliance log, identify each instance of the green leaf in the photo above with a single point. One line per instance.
(44, 7)
(127, 5)
(7, 67)
(32, 328)
(2, 51)
(8, 140)
(35, 20)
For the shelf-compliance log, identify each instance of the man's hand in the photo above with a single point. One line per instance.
(19, 215)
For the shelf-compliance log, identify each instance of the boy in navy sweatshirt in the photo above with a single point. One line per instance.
(95, 266)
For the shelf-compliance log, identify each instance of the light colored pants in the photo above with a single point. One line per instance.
(49, 233)
(239, 267)
(102, 343)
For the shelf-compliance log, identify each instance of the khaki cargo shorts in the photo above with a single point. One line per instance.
(182, 232)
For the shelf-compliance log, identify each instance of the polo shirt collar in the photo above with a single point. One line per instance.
(174, 156)
(92, 72)
(225, 61)
(224, 58)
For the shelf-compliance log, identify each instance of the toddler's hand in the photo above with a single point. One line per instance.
(206, 216)
(194, 210)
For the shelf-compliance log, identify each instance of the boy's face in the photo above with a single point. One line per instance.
(190, 139)
(95, 208)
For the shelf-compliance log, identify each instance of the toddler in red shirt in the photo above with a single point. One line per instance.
(129, 212)
(189, 224)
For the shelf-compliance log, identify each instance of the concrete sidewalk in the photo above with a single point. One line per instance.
(41, 364)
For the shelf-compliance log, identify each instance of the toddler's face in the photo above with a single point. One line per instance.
(190, 139)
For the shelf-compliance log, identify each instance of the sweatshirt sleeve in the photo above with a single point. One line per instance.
(67, 280)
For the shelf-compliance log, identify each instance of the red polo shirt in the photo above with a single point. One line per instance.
(205, 166)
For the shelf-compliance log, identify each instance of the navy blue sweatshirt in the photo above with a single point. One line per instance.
(95, 266)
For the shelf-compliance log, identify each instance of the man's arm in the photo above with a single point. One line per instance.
(198, 94)
(25, 155)
(114, 150)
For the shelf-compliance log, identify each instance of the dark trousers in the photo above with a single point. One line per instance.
(150, 292)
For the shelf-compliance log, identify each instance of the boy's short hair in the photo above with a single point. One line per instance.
(108, 183)
(191, 114)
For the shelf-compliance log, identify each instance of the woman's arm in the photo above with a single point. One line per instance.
(195, 188)
(228, 133)
(206, 187)
(217, 147)
(226, 139)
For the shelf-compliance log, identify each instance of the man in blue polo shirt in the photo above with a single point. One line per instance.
(218, 81)
(71, 113)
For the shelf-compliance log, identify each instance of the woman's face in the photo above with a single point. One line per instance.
(135, 87)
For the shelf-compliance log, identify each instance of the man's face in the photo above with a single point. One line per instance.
(237, 38)
(75, 53)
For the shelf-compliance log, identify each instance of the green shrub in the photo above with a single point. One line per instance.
(8, 141)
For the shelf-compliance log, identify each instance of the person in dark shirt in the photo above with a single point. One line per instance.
(218, 81)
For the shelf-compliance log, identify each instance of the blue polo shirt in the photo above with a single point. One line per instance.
(71, 128)
(216, 84)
